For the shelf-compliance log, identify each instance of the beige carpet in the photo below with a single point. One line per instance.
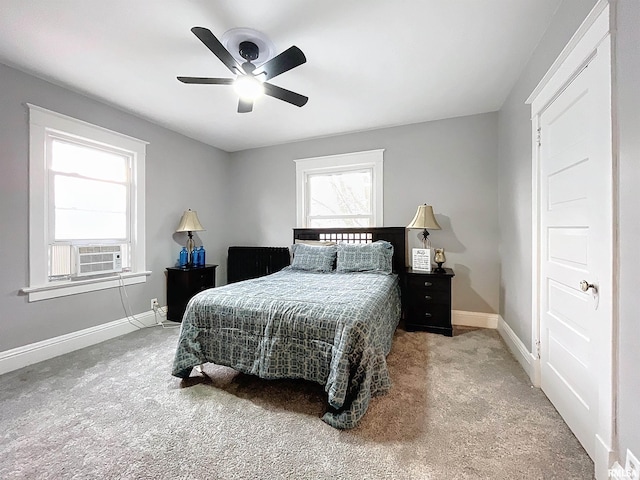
(460, 408)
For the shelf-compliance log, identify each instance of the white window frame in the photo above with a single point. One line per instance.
(346, 162)
(42, 124)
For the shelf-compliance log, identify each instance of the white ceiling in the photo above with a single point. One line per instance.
(370, 63)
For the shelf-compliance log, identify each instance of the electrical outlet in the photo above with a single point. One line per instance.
(632, 466)
(154, 303)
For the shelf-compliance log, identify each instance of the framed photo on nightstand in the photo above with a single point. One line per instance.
(422, 259)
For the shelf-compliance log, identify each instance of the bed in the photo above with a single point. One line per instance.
(325, 319)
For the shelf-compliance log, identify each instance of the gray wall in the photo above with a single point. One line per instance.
(515, 196)
(180, 173)
(628, 115)
(450, 164)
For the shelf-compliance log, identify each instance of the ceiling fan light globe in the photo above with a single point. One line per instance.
(248, 87)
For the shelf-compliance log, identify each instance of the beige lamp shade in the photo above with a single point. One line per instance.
(424, 219)
(189, 222)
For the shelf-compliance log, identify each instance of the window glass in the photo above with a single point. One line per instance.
(87, 161)
(89, 209)
(344, 193)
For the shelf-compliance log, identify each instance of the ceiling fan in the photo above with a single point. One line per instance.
(251, 81)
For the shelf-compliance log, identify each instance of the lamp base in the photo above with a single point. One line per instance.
(426, 243)
(191, 245)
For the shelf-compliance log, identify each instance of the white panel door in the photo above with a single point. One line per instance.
(575, 246)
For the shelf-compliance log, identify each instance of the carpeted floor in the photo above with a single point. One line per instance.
(460, 408)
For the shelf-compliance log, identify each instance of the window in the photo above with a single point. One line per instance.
(86, 190)
(340, 190)
(89, 191)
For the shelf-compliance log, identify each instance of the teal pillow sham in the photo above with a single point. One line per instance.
(313, 258)
(365, 257)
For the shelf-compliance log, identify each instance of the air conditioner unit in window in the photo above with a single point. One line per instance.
(98, 259)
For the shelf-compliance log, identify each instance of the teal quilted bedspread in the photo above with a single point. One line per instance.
(335, 329)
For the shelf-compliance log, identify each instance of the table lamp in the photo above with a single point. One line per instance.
(189, 223)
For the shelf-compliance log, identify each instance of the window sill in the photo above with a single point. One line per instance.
(62, 289)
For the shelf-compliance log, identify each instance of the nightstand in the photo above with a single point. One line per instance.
(428, 302)
(184, 283)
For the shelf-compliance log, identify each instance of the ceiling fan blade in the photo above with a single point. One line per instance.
(284, 94)
(290, 58)
(205, 80)
(213, 44)
(245, 106)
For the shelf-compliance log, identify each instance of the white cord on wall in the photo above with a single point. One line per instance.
(132, 319)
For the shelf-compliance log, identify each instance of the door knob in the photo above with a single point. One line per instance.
(584, 286)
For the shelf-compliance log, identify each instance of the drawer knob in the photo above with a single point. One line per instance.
(427, 297)
(427, 315)
(427, 284)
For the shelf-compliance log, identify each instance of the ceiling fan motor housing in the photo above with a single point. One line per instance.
(249, 51)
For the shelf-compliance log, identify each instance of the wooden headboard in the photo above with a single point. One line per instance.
(393, 235)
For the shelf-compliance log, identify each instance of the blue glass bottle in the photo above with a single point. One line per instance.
(202, 256)
(184, 257)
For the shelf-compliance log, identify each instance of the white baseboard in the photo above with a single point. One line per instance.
(474, 319)
(529, 362)
(46, 349)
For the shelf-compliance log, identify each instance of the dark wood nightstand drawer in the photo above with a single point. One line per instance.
(426, 284)
(203, 280)
(436, 315)
(426, 298)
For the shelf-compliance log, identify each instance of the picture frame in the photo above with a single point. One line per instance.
(421, 259)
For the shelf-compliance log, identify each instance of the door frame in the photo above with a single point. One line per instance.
(594, 32)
